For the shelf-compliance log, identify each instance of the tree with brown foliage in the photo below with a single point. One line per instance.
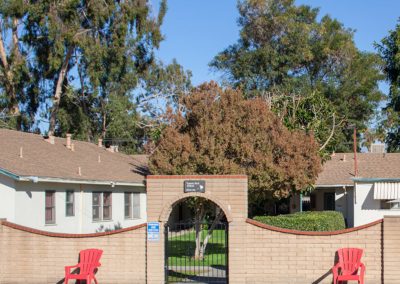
(220, 132)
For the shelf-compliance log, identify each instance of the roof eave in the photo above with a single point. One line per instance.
(331, 185)
(36, 179)
(361, 179)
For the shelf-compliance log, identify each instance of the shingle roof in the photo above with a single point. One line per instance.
(340, 171)
(42, 159)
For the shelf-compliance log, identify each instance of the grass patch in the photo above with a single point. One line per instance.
(181, 249)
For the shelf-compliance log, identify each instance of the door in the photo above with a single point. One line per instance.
(329, 201)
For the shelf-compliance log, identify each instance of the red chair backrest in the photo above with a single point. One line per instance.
(350, 259)
(89, 259)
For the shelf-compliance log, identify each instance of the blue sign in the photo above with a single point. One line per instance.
(153, 231)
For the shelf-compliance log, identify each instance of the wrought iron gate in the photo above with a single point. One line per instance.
(181, 265)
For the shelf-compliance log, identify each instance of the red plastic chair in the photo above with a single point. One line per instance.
(88, 262)
(349, 266)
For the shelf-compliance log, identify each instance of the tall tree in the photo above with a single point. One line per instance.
(219, 132)
(104, 47)
(389, 50)
(19, 95)
(284, 49)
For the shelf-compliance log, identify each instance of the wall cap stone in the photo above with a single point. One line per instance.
(310, 233)
(64, 235)
(196, 177)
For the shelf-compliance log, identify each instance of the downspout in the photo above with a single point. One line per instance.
(80, 208)
(301, 202)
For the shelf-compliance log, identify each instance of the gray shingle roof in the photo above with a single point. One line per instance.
(340, 171)
(43, 159)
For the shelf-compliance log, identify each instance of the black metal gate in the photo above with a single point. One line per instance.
(181, 264)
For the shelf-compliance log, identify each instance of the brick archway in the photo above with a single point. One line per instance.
(229, 192)
(166, 211)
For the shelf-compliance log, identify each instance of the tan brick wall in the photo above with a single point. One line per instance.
(391, 249)
(31, 258)
(275, 257)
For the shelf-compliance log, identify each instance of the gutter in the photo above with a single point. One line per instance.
(376, 179)
(36, 179)
(332, 185)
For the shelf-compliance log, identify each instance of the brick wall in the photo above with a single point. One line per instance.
(274, 256)
(33, 257)
(391, 248)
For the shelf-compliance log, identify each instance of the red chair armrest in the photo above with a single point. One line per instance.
(362, 266)
(335, 269)
(68, 268)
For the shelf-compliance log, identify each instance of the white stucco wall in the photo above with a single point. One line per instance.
(7, 198)
(366, 208)
(29, 205)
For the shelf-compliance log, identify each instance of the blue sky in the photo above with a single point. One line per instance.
(195, 31)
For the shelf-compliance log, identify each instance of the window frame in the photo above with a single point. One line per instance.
(108, 205)
(52, 207)
(128, 205)
(71, 203)
(137, 194)
(101, 205)
(386, 205)
(100, 196)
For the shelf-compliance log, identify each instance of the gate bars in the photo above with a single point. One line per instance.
(180, 245)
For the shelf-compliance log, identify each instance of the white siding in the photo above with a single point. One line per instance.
(366, 208)
(7, 198)
(30, 207)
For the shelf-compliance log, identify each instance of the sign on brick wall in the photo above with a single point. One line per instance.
(194, 186)
(153, 231)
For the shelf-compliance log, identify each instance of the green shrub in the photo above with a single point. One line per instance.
(306, 221)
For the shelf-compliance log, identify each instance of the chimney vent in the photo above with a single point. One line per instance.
(72, 147)
(99, 159)
(50, 139)
(21, 152)
(79, 171)
(68, 141)
(344, 157)
(100, 142)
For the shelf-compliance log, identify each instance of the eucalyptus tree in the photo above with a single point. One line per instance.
(18, 97)
(91, 53)
(285, 50)
(389, 50)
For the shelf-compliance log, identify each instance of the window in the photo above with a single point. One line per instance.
(136, 205)
(128, 205)
(50, 207)
(131, 205)
(96, 203)
(107, 206)
(390, 204)
(101, 206)
(69, 203)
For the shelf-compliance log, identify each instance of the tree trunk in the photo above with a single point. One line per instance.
(58, 91)
(10, 88)
(198, 218)
(209, 233)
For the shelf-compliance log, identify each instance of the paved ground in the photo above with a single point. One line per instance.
(206, 275)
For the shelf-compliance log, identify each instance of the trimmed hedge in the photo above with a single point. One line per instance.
(306, 221)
